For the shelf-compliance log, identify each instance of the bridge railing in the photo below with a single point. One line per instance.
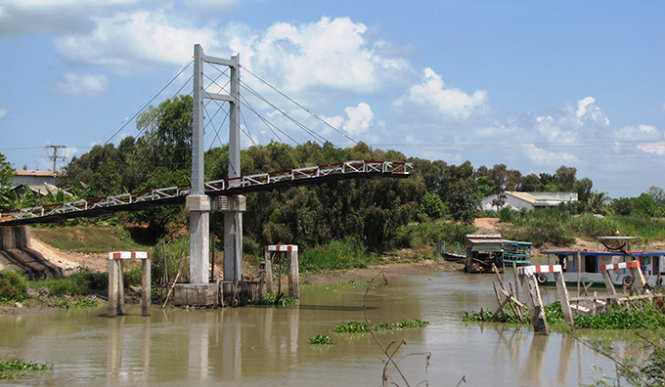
(320, 171)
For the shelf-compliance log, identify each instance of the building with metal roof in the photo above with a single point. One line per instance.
(527, 200)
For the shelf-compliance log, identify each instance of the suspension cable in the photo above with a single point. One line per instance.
(317, 137)
(299, 105)
(150, 101)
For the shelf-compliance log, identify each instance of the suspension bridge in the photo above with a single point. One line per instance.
(225, 187)
(197, 196)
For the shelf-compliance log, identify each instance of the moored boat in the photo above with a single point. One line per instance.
(586, 266)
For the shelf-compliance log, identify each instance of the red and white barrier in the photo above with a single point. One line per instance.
(533, 269)
(129, 255)
(621, 265)
(284, 248)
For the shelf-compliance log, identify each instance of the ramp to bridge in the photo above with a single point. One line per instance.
(15, 251)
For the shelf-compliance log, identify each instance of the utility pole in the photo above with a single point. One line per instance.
(55, 156)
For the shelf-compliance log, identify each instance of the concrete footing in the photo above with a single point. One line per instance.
(15, 237)
(231, 293)
(196, 295)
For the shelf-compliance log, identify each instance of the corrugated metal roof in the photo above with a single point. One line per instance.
(19, 172)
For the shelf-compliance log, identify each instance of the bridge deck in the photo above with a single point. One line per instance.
(226, 187)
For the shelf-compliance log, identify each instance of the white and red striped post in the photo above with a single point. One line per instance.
(294, 275)
(116, 291)
(635, 272)
(534, 300)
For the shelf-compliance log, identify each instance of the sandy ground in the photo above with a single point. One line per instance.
(70, 261)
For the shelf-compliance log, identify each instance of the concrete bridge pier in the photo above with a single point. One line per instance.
(233, 207)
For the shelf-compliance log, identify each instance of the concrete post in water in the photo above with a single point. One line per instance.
(113, 288)
(608, 282)
(145, 287)
(533, 299)
(116, 289)
(294, 275)
(121, 287)
(292, 257)
(562, 292)
(233, 206)
(268, 269)
(199, 225)
(639, 281)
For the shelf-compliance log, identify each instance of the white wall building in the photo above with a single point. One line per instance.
(529, 200)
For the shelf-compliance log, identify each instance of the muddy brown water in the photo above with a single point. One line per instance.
(268, 346)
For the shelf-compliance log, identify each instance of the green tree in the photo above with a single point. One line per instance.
(658, 195)
(530, 183)
(6, 174)
(432, 206)
(564, 178)
(598, 202)
(583, 189)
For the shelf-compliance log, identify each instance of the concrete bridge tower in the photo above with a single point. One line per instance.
(198, 203)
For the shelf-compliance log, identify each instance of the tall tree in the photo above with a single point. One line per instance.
(6, 174)
(564, 178)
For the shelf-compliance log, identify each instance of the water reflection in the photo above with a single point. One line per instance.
(268, 346)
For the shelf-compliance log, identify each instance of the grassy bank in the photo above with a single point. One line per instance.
(558, 227)
(86, 238)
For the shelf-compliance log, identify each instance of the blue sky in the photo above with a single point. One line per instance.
(533, 85)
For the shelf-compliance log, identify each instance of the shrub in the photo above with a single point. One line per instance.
(345, 254)
(12, 284)
(77, 284)
(177, 258)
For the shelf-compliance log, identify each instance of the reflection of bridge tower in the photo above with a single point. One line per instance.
(198, 203)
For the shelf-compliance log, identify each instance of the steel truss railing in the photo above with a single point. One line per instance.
(216, 187)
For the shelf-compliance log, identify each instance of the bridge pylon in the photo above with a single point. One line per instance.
(198, 203)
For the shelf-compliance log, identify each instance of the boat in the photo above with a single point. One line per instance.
(456, 255)
(483, 253)
(517, 252)
(587, 265)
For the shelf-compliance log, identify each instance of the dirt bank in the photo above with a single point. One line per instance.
(392, 269)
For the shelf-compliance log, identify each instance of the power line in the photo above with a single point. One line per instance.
(55, 157)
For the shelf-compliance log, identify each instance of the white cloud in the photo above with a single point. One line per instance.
(582, 105)
(81, 84)
(360, 118)
(588, 112)
(655, 148)
(449, 102)
(637, 133)
(55, 16)
(330, 53)
(125, 41)
(3, 112)
(544, 157)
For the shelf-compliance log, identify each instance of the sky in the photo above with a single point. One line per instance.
(529, 84)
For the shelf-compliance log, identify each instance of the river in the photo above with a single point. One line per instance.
(268, 346)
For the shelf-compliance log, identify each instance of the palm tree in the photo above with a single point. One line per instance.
(598, 201)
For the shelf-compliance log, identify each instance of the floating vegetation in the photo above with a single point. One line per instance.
(13, 368)
(641, 316)
(272, 299)
(320, 340)
(361, 327)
